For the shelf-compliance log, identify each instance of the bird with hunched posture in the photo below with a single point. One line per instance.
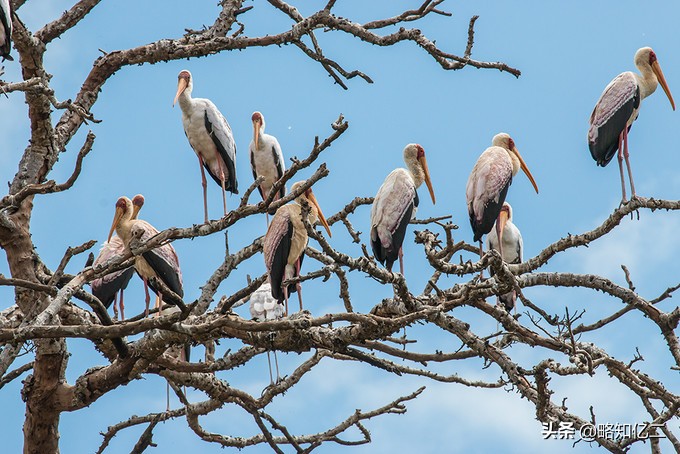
(160, 262)
(264, 307)
(489, 181)
(618, 108)
(510, 247)
(5, 30)
(266, 159)
(211, 138)
(286, 240)
(395, 205)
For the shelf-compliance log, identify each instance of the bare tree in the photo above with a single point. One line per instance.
(51, 305)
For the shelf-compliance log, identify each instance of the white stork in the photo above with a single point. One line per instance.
(160, 262)
(510, 247)
(285, 243)
(489, 181)
(266, 158)
(264, 307)
(5, 30)
(395, 205)
(617, 109)
(211, 138)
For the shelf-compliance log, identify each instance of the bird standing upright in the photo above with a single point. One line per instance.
(395, 204)
(285, 243)
(160, 262)
(618, 108)
(489, 181)
(510, 247)
(211, 138)
(266, 159)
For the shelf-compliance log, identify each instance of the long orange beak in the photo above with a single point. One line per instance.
(524, 168)
(135, 210)
(500, 225)
(256, 134)
(428, 182)
(181, 86)
(662, 80)
(322, 219)
(116, 220)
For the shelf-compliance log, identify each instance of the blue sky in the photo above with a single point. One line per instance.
(567, 53)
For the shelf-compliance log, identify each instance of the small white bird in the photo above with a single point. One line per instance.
(510, 248)
(264, 307)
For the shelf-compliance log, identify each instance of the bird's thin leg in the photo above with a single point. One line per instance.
(625, 155)
(401, 260)
(276, 363)
(115, 307)
(224, 191)
(481, 254)
(267, 215)
(122, 306)
(205, 187)
(147, 299)
(269, 362)
(285, 297)
(620, 158)
(158, 304)
(167, 395)
(298, 285)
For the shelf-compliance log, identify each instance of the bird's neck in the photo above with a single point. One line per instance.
(185, 99)
(313, 212)
(124, 230)
(416, 171)
(647, 81)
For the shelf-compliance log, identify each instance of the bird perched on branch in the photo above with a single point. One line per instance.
(489, 182)
(266, 159)
(618, 108)
(286, 240)
(395, 205)
(211, 138)
(510, 247)
(160, 262)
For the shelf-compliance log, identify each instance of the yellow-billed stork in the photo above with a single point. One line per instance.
(489, 181)
(211, 138)
(266, 158)
(510, 247)
(160, 262)
(617, 109)
(395, 205)
(285, 243)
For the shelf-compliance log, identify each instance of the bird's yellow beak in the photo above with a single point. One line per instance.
(500, 225)
(116, 220)
(256, 133)
(428, 182)
(524, 168)
(182, 84)
(312, 198)
(662, 80)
